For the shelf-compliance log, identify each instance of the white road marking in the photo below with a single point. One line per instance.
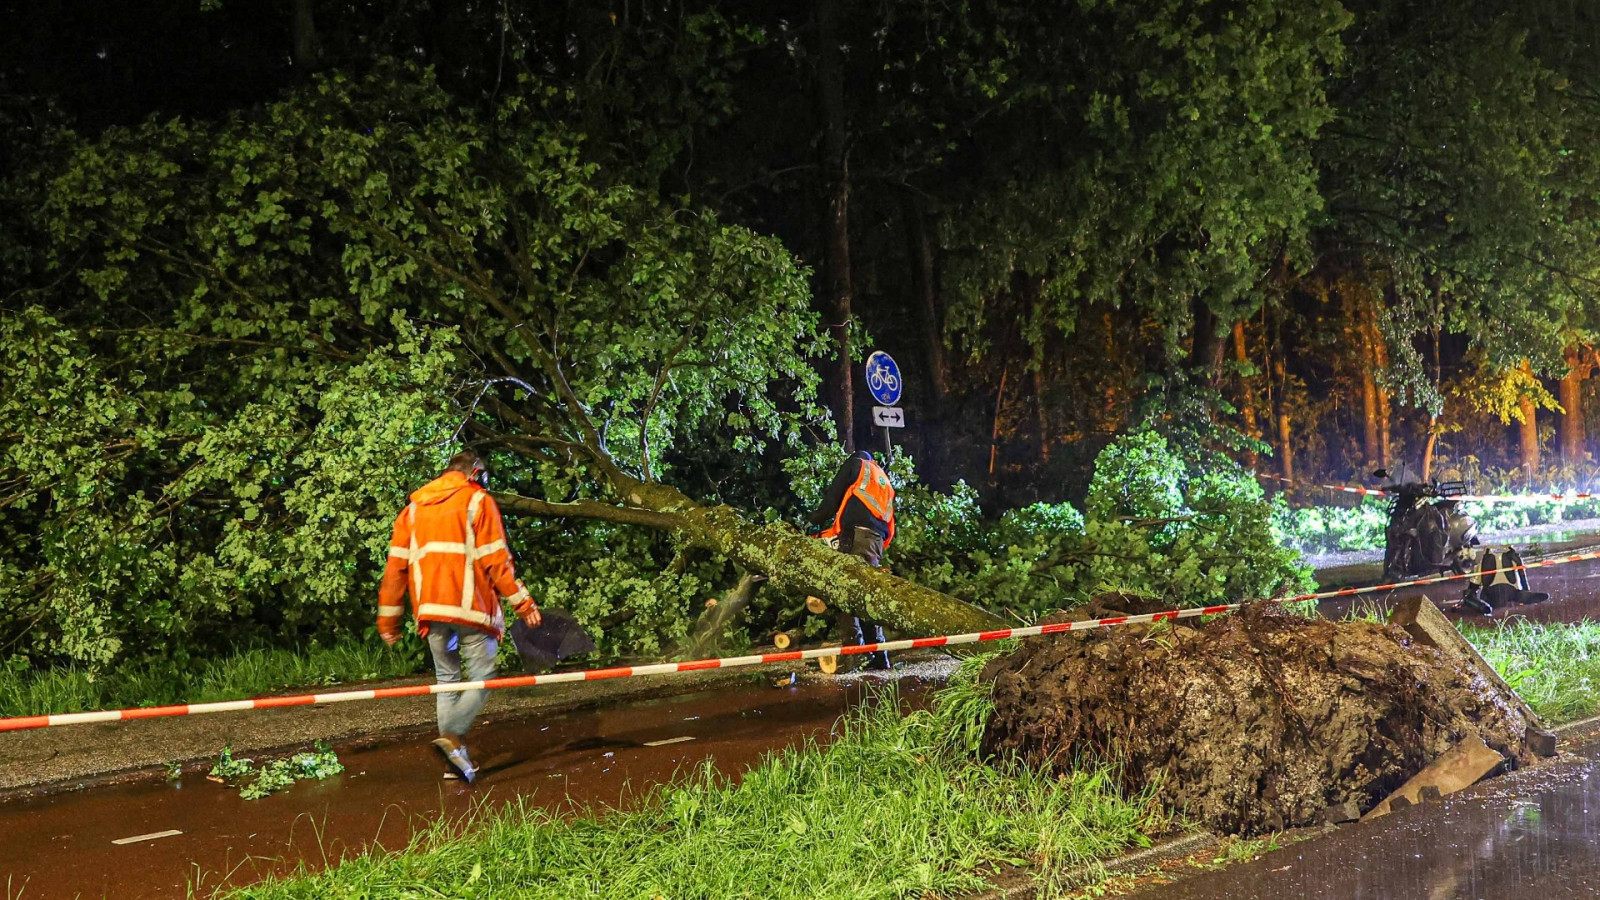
(147, 837)
(676, 740)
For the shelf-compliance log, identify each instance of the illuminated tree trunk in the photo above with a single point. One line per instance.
(1247, 392)
(1369, 418)
(994, 432)
(1280, 412)
(1528, 428)
(794, 563)
(1427, 450)
(837, 292)
(1375, 405)
(1380, 361)
(1574, 440)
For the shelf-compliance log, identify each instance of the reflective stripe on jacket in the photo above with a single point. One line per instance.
(873, 489)
(449, 549)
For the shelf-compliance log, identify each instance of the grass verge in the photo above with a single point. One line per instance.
(896, 806)
(1555, 667)
(245, 674)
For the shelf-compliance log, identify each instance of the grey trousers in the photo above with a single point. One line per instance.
(865, 543)
(454, 648)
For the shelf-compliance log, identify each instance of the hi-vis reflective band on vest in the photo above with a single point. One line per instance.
(872, 488)
(468, 553)
(454, 581)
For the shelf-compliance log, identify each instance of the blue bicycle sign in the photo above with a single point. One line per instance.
(883, 378)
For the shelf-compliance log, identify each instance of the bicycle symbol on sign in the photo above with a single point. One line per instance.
(883, 377)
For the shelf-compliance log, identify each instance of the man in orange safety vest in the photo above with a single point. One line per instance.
(857, 515)
(449, 549)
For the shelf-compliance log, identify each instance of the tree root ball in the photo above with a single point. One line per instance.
(1247, 723)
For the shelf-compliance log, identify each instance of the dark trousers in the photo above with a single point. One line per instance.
(868, 545)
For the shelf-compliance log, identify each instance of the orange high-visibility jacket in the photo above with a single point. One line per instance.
(873, 489)
(449, 545)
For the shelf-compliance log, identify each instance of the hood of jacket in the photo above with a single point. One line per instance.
(441, 489)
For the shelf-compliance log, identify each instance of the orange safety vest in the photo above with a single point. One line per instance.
(449, 549)
(873, 489)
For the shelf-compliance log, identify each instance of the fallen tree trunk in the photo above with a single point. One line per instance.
(791, 561)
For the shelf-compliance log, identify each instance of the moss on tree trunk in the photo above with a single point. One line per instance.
(791, 561)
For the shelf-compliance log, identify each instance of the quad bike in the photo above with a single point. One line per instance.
(1428, 534)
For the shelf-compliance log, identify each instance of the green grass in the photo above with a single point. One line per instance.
(1556, 667)
(894, 807)
(245, 674)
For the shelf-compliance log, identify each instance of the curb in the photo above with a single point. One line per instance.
(1088, 873)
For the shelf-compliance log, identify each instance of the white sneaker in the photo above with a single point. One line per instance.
(456, 756)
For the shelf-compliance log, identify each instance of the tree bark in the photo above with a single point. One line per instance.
(1528, 429)
(1427, 450)
(1380, 364)
(1280, 412)
(1247, 392)
(1209, 348)
(305, 51)
(1574, 438)
(925, 289)
(919, 252)
(994, 432)
(792, 562)
(1042, 412)
(1361, 308)
(707, 639)
(837, 292)
(1369, 418)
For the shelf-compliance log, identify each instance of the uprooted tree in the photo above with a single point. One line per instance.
(249, 337)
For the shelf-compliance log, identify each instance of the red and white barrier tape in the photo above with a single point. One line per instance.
(23, 723)
(1476, 498)
(1522, 498)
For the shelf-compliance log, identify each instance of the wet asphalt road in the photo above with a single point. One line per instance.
(1574, 590)
(1534, 835)
(61, 846)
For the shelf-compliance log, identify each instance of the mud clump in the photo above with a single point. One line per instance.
(1248, 723)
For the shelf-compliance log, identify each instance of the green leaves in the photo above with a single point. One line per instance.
(1453, 180)
(277, 774)
(1157, 156)
(265, 331)
(1158, 524)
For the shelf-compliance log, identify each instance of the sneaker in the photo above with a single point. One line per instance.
(455, 755)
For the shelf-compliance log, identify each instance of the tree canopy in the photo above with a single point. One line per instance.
(633, 255)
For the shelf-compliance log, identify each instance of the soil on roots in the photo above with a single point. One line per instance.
(1250, 722)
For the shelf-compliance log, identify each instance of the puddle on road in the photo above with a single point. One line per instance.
(61, 846)
(1531, 837)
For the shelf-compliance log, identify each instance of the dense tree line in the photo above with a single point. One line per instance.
(258, 267)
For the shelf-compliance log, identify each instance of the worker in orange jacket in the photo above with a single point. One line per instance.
(449, 548)
(857, 515)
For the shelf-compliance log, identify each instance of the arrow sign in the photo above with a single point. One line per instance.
(888, 417)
